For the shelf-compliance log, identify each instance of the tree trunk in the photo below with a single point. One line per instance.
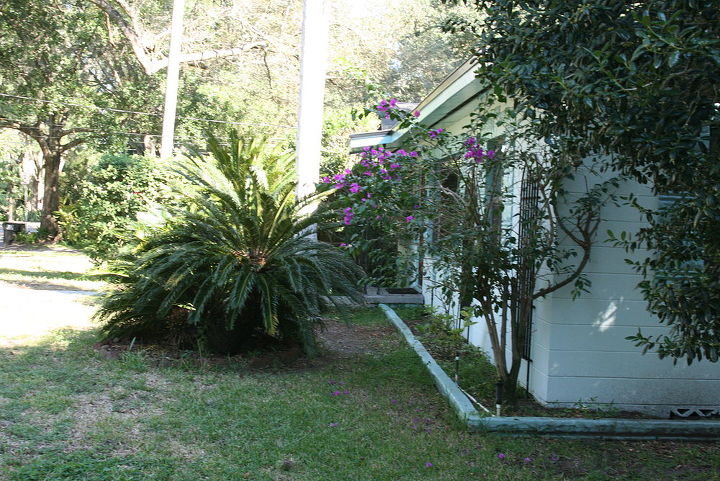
(11, 203)
(51, 197)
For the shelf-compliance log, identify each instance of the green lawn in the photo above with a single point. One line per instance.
(69, 413)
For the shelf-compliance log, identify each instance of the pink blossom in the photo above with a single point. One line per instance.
(326, 180)
(354, 188)
(416, 113)
(434, 133)
(409, 218)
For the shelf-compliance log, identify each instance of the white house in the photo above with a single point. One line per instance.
(578, 350)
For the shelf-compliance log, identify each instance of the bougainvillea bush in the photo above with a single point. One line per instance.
(442, 197)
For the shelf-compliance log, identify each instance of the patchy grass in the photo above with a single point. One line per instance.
(53, 279)
(49, 268)
(67, 412)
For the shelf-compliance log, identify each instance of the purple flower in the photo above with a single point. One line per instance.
(413, 154)
(368, 173)
(416, 113)
(342, 244)
(326, 180)
(490, 154)
(434, 133)
(347, 210)
(354, 188)
(409, 218)
(394, 166)
(339, 186)
(470, 142)
(332, 425)
(339, 177)
(527, 460)
(401, 152)
(554, 458)
(501, 456)
(393, 401)
(428, 465)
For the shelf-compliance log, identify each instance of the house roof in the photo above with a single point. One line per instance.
(456, 91)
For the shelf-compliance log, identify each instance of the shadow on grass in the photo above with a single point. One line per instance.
(50, 280)
(67, 275)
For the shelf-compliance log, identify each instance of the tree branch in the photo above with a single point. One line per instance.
(129, 30)
(585, 243)
(207, 54)
(15, 125)
(75, 130)
(71, 145)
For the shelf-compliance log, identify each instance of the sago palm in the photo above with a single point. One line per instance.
(236, 261)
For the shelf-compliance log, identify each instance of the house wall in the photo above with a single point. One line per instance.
(579, 348)
(579, 351)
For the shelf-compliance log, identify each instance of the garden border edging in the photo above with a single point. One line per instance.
(646, 429)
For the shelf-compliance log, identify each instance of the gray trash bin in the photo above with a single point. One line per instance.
(10, 229)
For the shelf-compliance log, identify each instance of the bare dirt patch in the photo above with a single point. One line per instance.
(348, 340)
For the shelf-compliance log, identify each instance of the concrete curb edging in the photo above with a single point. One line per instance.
(462, 405)
(645, 429)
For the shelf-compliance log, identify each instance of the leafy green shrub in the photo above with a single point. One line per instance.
(236, 266)
(28, 237)
(103, 201)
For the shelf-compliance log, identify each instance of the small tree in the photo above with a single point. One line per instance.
(451, 192)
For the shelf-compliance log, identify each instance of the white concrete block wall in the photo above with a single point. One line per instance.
(579, 351)
(579, 348)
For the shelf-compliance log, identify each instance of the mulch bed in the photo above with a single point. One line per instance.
(526, 406)
(337, 341)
